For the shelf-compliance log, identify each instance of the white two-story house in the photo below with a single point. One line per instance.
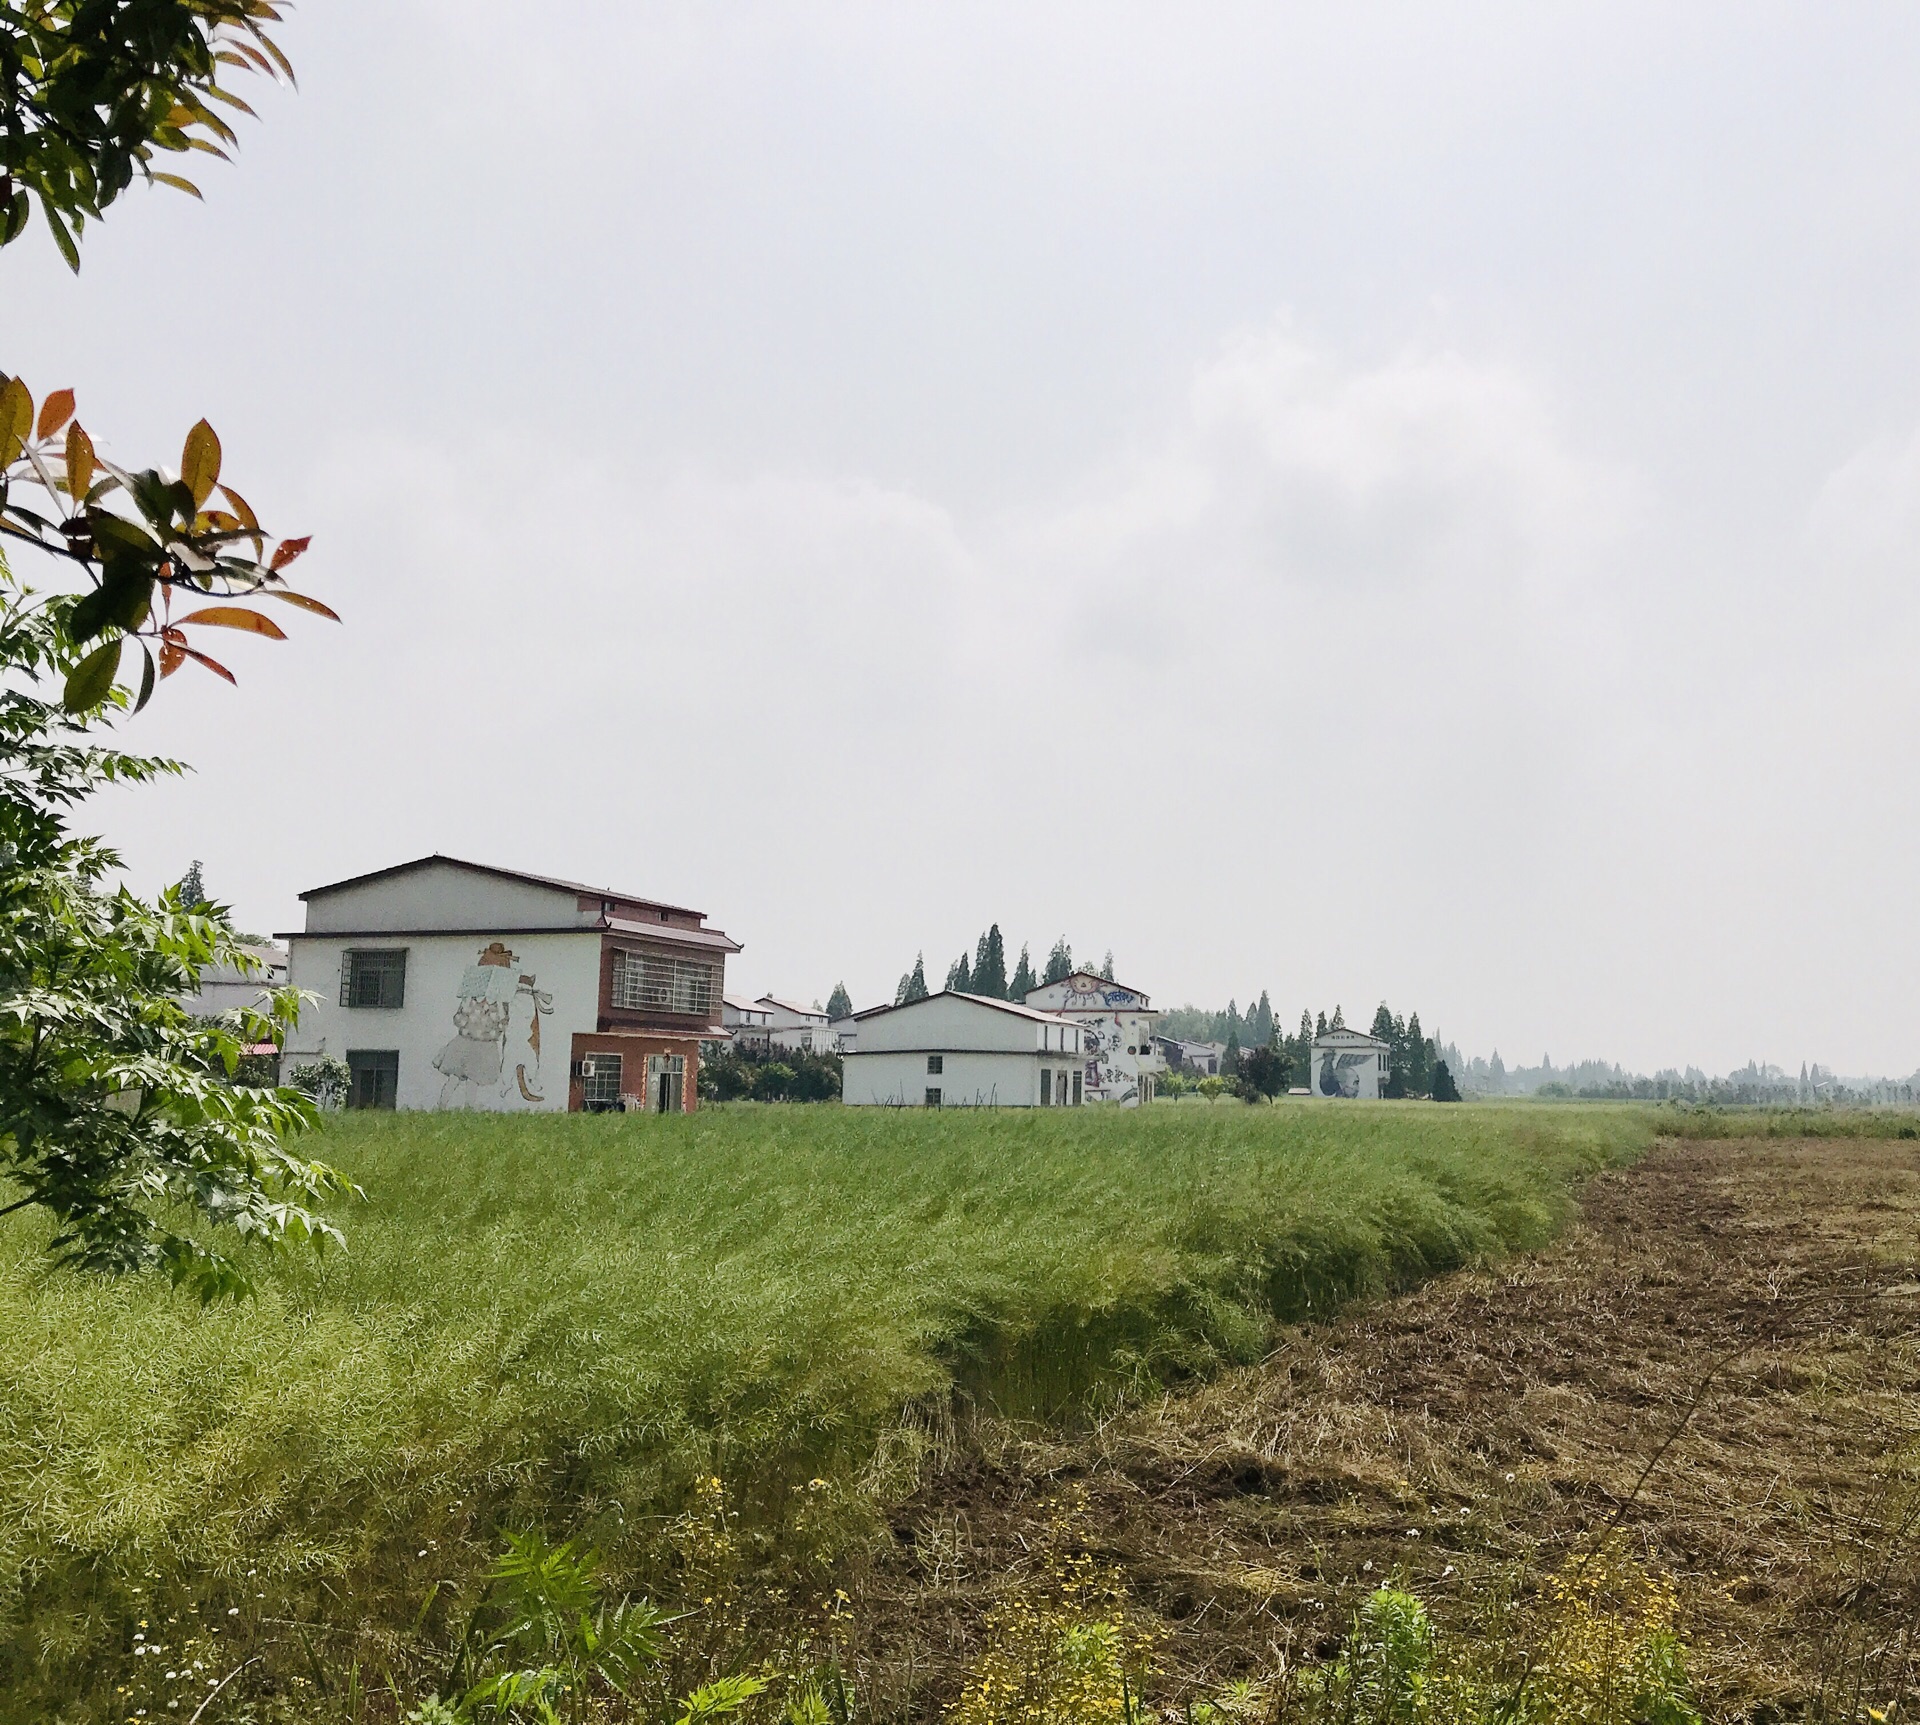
(450, 984)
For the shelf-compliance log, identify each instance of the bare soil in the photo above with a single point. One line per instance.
(1722, 1359)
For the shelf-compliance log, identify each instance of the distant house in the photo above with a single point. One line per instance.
(1199, 1059)
(1116, 1024)
(750, 1022)
(952, 1050)
(1349, 1063)
(793, 1027)
(450, 984)
(846, 1034)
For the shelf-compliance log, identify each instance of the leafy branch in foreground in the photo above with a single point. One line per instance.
(92, 90)
(117, 1114)
(168, 539)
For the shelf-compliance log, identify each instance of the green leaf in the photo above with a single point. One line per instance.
(91, 681)
(146, 678)
(18, 213)
(61, 237)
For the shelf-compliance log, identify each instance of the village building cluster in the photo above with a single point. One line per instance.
(442, 984)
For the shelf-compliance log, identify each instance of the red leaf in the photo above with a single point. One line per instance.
(288, 550)
(172, 656)
(55, 411)
(232, 617)
(213, 665)
(290, 598)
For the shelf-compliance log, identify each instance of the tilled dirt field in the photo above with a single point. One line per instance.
(1723, 1359)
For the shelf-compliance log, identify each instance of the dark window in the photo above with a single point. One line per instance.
(1046, 1088)
(936, 1065)
(933, 1096)
(374, 978)
(373, 1077)
(1077, 1081)
(600, 1083)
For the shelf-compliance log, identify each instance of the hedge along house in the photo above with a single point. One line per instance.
(1116, 1025)
(450, 984)
(953, 1050)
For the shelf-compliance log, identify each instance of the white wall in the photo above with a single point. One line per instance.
(442, 896)
(565, 967)
(970, 1079)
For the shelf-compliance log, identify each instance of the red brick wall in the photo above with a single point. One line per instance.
(633, 1049)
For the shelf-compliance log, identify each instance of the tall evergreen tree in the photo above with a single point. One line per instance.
(1320, 1025)
(990, 966)
(1383, 1023)
(1230, 1060)
(1260, 1023)
(1444, 1088)
(1106, 965)
(193, 887)
(1419, 1058)
(960, 976)
(1235, 1030)
(913, 986)
(839, 1002)
(1024, 981)
(1339, 1020)
(1059, 962)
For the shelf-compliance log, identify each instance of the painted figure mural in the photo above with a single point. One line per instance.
(475, 1059)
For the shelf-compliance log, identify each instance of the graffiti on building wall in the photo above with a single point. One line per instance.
(493, 997)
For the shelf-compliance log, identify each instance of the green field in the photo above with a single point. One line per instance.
(561, 1321)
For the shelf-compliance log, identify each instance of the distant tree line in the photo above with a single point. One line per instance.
(984, 971)
(736, 1074)
(1266, 1060)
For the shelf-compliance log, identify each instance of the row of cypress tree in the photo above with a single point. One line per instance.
(984, 971)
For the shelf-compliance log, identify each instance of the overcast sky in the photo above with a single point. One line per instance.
(1365, 501)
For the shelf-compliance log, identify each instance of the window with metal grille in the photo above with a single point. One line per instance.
(373, 1077)
(647, 982)
(600, 1082)
(936, 1065)
(374, 978)
(933, 1096)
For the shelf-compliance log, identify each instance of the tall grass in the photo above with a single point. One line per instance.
(566, 1320)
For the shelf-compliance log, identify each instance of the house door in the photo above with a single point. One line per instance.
(666, 1082)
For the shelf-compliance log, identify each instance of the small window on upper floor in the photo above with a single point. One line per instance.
(936, 1065)
(377, 978)
(663, 916)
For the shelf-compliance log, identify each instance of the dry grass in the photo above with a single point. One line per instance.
(1722, 1360)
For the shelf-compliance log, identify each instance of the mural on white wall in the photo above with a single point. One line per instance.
(1103, 1009)
(1340, 1073)
(475, 1060)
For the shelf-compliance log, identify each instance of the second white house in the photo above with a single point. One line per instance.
(953, 1050)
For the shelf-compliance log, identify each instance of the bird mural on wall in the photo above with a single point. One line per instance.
(1338, 1074)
